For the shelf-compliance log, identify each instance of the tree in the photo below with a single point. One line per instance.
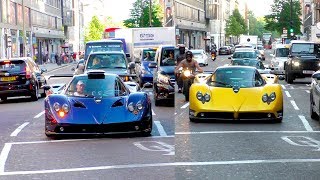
(280, 18)
(139, 15)
(256, 26)
(235, 24)
(95, 30)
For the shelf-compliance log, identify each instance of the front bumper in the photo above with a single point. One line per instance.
(114, 128)
(264, 115)
(15, 90)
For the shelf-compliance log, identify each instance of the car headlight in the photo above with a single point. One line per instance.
(207, 97)
(131, 107)
(272, 96)
(319, 64)
(265, 98)
(56, 106)
(139, 105)
(199, 95)
(163, 79)
(203, 98)
(65, 108)
(269, 98)
(296, 63)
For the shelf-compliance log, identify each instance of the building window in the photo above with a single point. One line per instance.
(212, 9)
(4, 11)
(27, 21)
(19, 13)
(12, 13)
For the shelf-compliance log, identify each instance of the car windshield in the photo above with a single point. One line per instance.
(244, 55)
(197, 55)
(101, 61)
(82, 86)
(103, 47)
(235, 77)
(303, 48)
(252, 63)
(12, 66)
(282, 52)
(168, 57)
(148, 54)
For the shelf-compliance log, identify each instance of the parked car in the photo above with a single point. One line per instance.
(315, 96)
(164, 77)
(21, 77)
(232, 47)
(201, 56)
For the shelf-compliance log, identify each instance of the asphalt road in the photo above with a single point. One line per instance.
(28, 153)
(250, 150)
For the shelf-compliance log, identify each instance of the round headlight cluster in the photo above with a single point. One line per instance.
(65, 108)
(131, 107)
(269, 98)
(203, 98)
(56, 106)
(296, 63)
(138, 106)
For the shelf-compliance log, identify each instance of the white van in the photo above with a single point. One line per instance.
(279, 57)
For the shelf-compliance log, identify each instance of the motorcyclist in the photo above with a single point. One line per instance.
(191, 64)
(181, 56)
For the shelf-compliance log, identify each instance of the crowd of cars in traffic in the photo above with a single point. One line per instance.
(105, 93)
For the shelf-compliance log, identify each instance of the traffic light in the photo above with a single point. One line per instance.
(291, 30)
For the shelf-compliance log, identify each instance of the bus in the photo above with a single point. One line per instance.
(103, 45)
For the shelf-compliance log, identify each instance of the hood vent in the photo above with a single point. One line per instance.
(78, 104)
(118, 103)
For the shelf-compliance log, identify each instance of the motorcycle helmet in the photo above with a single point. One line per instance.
(189, 54)
(182, 48)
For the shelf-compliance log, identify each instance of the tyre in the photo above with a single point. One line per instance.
(157, 102)
(186, 89)
(193, 120)
(34, 94)
(313, 114)
(289, 77)
(147, 133)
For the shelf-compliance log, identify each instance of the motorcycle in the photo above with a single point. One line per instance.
(213, 55)
(187, 79)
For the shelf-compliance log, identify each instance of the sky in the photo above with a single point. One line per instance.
(119, 10)
(260, 7)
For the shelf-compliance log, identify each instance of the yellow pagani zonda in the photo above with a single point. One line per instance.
(236, 93)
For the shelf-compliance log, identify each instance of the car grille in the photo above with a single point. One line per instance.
(310, 65)
(216, 115)
(255, 115)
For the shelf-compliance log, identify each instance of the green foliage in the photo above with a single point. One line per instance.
(94, 31)
(139, 15)
(256, 26)
(280, 18)
(235, 24)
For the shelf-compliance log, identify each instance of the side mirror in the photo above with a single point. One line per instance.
(147, 84)
(73, 69)
(137, 60)
(152, 65)
(43, 70)
(290, 56)
(281, 78)
(46, 87)
(127, 55)
(229, 57)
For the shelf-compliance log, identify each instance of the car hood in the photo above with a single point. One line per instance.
(167, 70)
(92, 111)
(118, 71)
(145, 65)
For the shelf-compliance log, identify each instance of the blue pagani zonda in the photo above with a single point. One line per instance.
(97, 103)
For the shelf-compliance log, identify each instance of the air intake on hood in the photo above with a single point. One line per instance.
(79, 104)
(117, 103)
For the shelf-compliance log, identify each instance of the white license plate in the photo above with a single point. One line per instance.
(308, 72)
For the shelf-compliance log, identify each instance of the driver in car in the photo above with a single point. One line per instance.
(80, 89)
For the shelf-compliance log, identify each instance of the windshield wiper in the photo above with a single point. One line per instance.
(222, 83)
(304, 52)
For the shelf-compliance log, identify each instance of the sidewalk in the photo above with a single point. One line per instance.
(53, 66)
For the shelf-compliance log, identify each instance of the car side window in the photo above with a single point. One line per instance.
(120, 90)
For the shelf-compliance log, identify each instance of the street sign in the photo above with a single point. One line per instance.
(284, 31)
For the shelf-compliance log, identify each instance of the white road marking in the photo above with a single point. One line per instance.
(302, 141)
(240, 132)
(16, 132)
(173, 164)
(308, 85)
(291, 87)
(160, 128)
(4, 155)
(283, 87)
(153, 114)
(294, 105)
(287, 93)
(155, 146)
(57, 69)
(38, 115)
(184, 106)
(308, 91)
(305, 123)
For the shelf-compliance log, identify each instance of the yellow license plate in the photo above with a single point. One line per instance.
(13, 78)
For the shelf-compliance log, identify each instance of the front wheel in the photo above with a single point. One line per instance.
(35, 93)
(289, 77)
(186, 89)
(313, 114)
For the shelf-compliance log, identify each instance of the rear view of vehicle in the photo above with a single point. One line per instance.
(224, 50)
(279, 57)
(200, 56)
(302, 61)
(19, 78)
